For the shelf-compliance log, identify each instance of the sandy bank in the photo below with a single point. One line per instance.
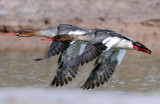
(138, 19)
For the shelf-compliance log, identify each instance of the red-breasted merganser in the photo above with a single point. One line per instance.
(51, 32)
(68, 54)
(108, 47)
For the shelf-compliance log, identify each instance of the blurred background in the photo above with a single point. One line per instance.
(137, 19)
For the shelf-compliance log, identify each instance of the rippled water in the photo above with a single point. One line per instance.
(138, 72)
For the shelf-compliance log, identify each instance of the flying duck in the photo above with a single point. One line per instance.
(108, 47)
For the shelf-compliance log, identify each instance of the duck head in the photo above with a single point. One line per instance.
(23, 33)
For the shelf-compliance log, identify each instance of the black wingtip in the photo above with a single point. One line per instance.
(38, 59)
(83, 87)
(53, 82)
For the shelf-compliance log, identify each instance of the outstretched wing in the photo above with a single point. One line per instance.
(91, 52)
(94, 49)
(64, 73)
(104, 67)
(55, 48)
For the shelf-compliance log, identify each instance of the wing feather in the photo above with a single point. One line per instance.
(90, 53)
(64, 73)
(55, 48)
(104, 67)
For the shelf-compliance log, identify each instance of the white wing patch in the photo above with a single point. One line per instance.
(72, 42)
(77, 32)
(110, 41)
(106, 40)
(82, 48)
(120, 56)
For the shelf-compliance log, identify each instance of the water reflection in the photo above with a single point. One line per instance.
(137, 72)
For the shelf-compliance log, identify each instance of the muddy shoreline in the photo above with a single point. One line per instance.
(136, 19)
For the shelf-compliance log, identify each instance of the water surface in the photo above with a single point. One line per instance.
(138, 72)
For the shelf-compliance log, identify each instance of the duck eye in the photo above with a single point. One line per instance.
(20, 32)
(57, 37)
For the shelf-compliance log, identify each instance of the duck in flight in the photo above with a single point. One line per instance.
(68, 50)
(108, 47)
